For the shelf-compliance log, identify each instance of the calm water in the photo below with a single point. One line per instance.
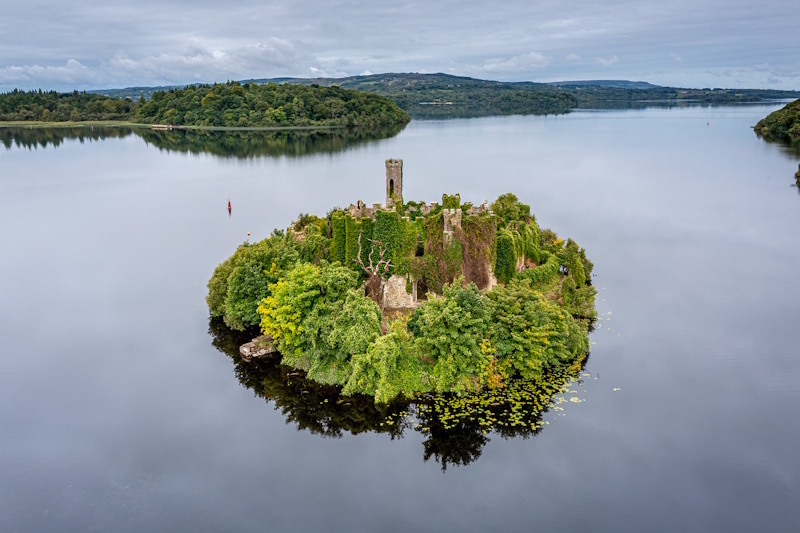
(119, 412)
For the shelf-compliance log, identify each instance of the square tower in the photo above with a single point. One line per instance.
(394, 181)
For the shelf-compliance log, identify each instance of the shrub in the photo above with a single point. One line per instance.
(510, 209)
(389, 368)
(241, 281)
(530, 333)
(448, 332)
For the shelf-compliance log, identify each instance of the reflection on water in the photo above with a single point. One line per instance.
(240, 144)
(247, 144)
(456, 428)
(22, 137)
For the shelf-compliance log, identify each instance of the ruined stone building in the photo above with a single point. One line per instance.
(396, 294)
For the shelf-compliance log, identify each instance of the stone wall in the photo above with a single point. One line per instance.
(360, 210)
(452, 221)
(482, 209)
(395, 295)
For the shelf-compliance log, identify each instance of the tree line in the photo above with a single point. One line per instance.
(219, 105)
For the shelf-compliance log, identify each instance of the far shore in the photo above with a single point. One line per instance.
(160, 127)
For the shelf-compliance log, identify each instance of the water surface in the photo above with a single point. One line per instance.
(119, 412)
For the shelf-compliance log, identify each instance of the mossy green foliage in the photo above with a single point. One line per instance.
(386, 229)
(506, 261)
(783, 125)
(410, 235)
(352, 232)
(451, 201)
(339, 236)
(240, 282)
(441, 262)
(367, 228)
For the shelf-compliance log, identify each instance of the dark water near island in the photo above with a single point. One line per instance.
(121, 408)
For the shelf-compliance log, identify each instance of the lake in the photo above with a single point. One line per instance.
(122, 408)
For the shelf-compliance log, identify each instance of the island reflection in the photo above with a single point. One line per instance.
(238, 144)
(456, 429)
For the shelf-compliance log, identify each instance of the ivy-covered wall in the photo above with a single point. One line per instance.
(506, 261)
(387, 230)
(339, 236)
(352, 230)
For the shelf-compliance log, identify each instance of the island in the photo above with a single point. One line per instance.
(229, 105)
(409, 298)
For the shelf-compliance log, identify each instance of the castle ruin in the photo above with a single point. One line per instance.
(396, 294)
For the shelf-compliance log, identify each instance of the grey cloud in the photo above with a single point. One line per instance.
(518, 63)
(52, 45)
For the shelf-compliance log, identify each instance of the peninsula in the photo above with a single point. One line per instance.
(407, 298)
(783, 126)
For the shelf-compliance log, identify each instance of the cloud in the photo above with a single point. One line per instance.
(518, 63)
(72, 72)
(152, 42)
(607, 61)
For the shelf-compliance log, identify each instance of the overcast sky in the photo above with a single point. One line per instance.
(103, 44)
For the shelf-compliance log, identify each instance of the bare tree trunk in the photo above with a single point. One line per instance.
(376, 272)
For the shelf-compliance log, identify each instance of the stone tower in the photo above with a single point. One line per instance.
(394, 181)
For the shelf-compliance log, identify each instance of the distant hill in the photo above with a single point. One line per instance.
(619, 84)
(448, 96)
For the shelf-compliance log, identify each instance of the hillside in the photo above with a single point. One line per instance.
(444, 95)
(783, 125)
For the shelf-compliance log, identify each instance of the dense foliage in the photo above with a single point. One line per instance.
(61, 107)
(306, 289)
(782, 125)
(220, 105)
(235, 105)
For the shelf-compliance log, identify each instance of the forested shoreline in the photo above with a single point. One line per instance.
(224, 105)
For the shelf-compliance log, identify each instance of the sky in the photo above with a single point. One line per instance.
(91, 44)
